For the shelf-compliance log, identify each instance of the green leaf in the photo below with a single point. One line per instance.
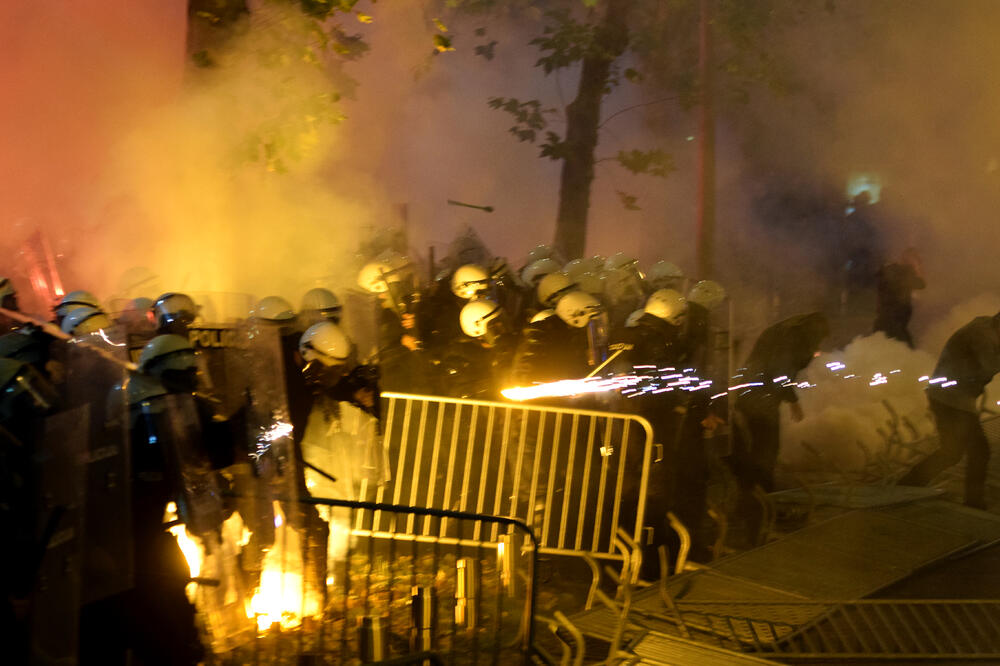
(652, 162)
(554, 147)
(486, 50)
(627, 200)
(442, 44)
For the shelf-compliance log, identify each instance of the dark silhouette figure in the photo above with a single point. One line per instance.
(894, 289)
(968, 362)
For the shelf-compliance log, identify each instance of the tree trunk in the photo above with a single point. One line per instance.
(583, 116)
(706, 149)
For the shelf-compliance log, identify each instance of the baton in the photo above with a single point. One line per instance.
(452, 202)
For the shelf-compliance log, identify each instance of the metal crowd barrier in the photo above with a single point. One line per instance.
(575, 476)
(869, 629)
(395, 596)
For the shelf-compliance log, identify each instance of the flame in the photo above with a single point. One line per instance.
(190, 546)
(283, 596)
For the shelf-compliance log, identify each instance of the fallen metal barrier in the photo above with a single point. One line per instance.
(868, 629)
(575, 476)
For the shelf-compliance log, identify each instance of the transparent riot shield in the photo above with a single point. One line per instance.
(94, 383)
(222, 378)
(208, 532)
(343, 452)
(265, 467)
(287, 539)
(53, 568)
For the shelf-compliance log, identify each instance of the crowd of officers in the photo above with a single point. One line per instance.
(480, 326)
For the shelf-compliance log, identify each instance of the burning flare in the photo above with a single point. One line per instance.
(283, 596)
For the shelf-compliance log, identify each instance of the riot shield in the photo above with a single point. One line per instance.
(53, 567)
(94, 383)
(343, 452)
(208, 533)
(178, 430)
(222, 378)
(287, 537)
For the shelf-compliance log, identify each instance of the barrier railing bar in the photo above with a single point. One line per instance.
(503, 466)
(892, 632)
(918, 646)
(989, 617)
(980, 632)
(452, 452)
(647, 454)
(916, 611)
(529, 516)
(585, 488)
(616, 510)
(863, 615)
(390, 414)
(863, 644)
(435, 454)
(518, 466)
(418, 461)
(551, 485)
(807, 640)
(404, 443)
(599, 513)
(949, 610)
(570, 466)
(933, 612)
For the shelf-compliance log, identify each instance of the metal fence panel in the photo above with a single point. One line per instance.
(392, 593)
(574, 476)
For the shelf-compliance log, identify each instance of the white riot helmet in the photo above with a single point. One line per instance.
(594, 264)
(577, 308)
(620, 260)
(707, 293)
(552, 287)
(476, 316)
(668, 305)
(76, 299)
(592, 283)
(633, 319)
(542, 315)
(324, 302)
(274, 309)
(469, 280)
(325, 343)
(538, 269)
(540, 252)
(664, 275)
(574, 268)
(83, 321)
(376, 275)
